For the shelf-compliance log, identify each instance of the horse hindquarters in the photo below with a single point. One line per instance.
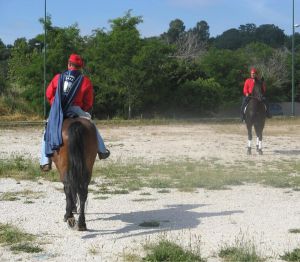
(77, 177)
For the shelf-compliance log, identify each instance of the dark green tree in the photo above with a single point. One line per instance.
(175, 31)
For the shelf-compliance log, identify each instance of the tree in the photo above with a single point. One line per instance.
(4, 56)
(226, 67)
(201, 30)
(271, 35)
(113, 54)
(230, 39)
(175, 31)
(201, 96)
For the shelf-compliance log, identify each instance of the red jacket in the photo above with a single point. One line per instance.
(249, 85)
(84, 97)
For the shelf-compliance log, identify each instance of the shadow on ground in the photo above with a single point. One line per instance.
(173, 217)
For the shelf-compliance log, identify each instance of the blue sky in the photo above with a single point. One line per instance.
(19, 18)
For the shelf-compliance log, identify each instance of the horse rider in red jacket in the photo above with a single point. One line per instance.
(248, 88)
(81, 103)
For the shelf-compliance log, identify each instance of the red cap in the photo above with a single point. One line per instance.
(76, 60)
(253, 70)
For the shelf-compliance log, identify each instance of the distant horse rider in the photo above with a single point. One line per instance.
(70, 94)
(248, 88)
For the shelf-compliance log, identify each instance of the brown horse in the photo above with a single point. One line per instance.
(75, 161)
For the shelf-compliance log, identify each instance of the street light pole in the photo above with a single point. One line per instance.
(45, 48)
(293, 62)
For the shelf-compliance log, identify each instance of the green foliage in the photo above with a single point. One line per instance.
(12, 235)
(236, 38)
(200, 96)
(169, 251)
(226, 68)
(241, 254)
(291, 256)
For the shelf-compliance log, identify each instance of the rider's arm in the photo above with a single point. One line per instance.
(246, 88)
(51, 89)
(88, 95)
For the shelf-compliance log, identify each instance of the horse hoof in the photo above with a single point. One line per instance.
(82, 228)
(260, 152)
(249, 151)
(71, 222)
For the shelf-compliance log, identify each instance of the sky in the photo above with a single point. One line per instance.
(20, 18)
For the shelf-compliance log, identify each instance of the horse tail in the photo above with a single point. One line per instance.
(77, 174)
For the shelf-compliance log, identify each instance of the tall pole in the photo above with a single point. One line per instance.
(45, 48)
(293, 62)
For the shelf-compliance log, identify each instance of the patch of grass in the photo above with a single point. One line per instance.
(163, 191)
(13, 196)
(291, 256)
(26, 247)
(93, 250)
(101, 197)
(129, 257)
(241, 254)
(189, 175)
(243, 251)
(18, 240)
(19, 168)
(9, 196)
(294, 230)
(12, 235)
(169, 251)
(151, 223)
(143, 199)
(145, 194)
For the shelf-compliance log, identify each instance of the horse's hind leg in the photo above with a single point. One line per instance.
(82, 197)
(258, 140)
(69, 217)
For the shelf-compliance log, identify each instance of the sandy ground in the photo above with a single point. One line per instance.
(207, 219)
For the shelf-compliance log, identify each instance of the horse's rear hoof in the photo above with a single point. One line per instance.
(82, 228)
(260, 152)
(71, 222)
(249, 151)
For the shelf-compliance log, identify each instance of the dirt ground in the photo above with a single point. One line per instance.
(209, 219)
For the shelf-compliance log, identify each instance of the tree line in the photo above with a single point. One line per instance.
(182, 72)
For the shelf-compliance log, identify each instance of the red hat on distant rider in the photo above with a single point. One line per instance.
(253, 70)
(76, 60)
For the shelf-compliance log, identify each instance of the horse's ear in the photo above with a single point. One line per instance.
(262, 79)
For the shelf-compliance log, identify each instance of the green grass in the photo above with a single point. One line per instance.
(13, 196)
(240, 254)
(26, 247)
(18, 240)
(12, 235)
(292, 256)
(294, 230)
(20, 168)
(189, 175)
(169, 251)
(242, 250)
